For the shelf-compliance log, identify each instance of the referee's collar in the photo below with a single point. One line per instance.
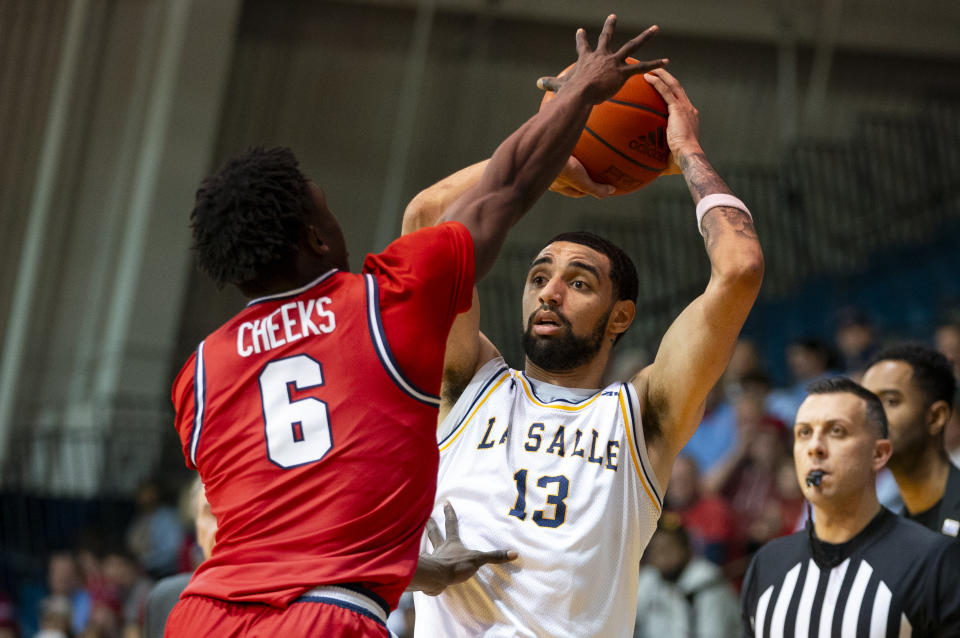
(832, 554)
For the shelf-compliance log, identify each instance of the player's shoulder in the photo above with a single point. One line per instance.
(488, 377)
(917, 539)
(441, 241)
(184, 378)
(493, 375)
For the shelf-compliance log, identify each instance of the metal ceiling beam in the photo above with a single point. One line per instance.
(926, 27)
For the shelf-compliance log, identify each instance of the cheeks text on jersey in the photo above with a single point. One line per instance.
(289, 322)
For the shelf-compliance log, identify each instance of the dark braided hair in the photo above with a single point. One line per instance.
(249, 217)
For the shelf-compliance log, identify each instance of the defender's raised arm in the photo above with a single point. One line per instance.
(525, 164)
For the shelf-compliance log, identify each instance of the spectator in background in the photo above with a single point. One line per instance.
(946, 338)
(717, 433)
(54, 617)
(916, 386)
(104, 617)
(792, 511)
(747, 478)
(9, 627)
(716, 436)
(744, 363)
(855, 339)
(681, 594)
(130, 587)
(947, 341)
(757, 384)
(709, 520)
(156, 533)
(808, 360)
(63, 580)
(166, 593)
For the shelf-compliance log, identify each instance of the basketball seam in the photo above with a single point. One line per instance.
(621, 153)
(638, 106)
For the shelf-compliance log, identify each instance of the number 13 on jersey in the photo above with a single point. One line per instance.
(562, 486)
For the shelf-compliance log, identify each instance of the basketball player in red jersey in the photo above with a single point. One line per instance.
(311, 414)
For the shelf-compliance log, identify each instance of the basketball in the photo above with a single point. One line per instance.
(624, 142)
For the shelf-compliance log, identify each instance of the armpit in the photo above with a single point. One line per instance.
(654, 409)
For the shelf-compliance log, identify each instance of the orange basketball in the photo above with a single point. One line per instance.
(624, 142)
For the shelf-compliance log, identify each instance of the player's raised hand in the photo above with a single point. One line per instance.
(574, 181)
(683, 119)
(600, 72)
(451, 562)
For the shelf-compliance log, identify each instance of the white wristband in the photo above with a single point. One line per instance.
(719, 199)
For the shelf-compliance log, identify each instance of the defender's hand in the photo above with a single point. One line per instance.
(574, 181)
(451, 562)
(600, 73)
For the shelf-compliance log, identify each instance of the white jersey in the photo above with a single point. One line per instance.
(562, 477)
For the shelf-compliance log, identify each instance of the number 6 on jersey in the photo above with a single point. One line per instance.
(297, 431)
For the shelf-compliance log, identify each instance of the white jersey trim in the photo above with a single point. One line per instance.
(379, 337)
(331, 593)
(199, 398)
(487, 378)
(572, 396)
(634, 425)
(294, 292)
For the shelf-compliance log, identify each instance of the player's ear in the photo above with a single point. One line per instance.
(315, 241)
(938, 415)
(621, 316)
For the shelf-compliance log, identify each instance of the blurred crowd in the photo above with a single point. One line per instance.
(733, 489)
(99, 588)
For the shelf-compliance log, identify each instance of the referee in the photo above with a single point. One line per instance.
(916, 386)
(858, 570)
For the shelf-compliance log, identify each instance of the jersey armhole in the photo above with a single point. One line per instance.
(199, 403)
(478, 386)
(380, 344)
(634, 424)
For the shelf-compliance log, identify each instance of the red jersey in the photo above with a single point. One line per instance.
(311, 417)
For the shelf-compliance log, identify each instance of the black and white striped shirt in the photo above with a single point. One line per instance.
(894, 578)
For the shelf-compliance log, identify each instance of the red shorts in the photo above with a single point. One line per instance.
(314, 614)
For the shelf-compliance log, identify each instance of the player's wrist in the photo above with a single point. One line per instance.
(686, 151)
(715, 200)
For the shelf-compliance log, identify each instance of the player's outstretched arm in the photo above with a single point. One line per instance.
(467, 348)
(525, 164)
(451, 562)
(697, 347)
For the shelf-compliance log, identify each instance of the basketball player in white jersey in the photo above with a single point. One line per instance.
(545, 461)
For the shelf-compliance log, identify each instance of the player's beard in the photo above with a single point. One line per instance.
(910, 444)
(566, 351)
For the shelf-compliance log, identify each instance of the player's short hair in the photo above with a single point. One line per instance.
(250, 215)
(931, 370)
(876, 418)
(623, 273)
